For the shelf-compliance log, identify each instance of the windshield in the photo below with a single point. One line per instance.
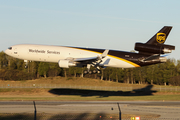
(10, 48)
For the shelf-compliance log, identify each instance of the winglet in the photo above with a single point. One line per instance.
(104, 54)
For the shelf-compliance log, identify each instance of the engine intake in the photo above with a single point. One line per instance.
(154, 49)
(65, 63)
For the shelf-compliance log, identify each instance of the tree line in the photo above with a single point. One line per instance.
(161, 74)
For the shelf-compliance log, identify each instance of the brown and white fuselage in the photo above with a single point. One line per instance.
(149, 53)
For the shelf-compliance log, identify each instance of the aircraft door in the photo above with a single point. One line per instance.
(15, 51)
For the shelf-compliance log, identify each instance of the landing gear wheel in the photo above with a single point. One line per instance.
(85, 72)
(90, 72)
(98, 71)
(94, 71)
(25, 66)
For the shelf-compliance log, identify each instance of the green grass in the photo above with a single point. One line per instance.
(76, 95)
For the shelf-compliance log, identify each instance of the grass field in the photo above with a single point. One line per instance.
(70, 94)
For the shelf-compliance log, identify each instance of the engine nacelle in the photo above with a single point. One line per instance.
(65, 63)
(154, 49)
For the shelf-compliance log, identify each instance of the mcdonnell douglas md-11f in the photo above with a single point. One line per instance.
(148, 53)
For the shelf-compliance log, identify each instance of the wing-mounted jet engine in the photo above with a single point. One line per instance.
(80, 62)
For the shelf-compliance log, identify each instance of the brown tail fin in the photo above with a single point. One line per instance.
(160, 37)
(156, 44)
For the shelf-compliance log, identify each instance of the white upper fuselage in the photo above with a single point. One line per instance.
(47, 53)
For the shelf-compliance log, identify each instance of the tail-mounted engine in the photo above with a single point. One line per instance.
(65, 63)
(154, 49)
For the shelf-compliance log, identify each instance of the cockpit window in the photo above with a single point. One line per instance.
(10, 48)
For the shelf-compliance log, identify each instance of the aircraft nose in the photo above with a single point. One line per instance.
(8, 51)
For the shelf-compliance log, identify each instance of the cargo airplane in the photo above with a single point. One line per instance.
(148, 53)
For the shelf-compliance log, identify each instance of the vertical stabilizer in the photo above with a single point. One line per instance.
(160, 37)
(156, 44)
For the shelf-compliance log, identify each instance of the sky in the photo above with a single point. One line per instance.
(106, 24)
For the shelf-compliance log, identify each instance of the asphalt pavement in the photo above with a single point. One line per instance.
(161, 110)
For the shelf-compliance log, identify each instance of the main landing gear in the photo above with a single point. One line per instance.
(88, 71)
(96, 64)
(92, 71)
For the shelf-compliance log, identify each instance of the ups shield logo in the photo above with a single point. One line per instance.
(160, 37)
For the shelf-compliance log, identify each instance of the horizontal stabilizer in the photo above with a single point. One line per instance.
(152, 57)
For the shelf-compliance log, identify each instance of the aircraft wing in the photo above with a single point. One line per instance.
(90, 59)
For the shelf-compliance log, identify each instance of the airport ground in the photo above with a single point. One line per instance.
(87, 103)
(91, 110)
(85, 89)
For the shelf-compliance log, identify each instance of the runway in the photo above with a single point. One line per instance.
(160, 110)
